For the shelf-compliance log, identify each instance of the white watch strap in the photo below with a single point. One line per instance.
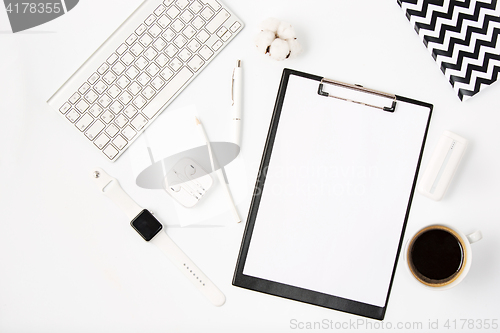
(112, 189)
(189, 269)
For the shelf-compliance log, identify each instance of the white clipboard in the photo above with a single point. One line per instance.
(333, 194)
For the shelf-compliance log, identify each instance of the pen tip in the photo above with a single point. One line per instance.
(238, 63)
(197, 121)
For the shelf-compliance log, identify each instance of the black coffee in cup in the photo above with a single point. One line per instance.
(436, 256)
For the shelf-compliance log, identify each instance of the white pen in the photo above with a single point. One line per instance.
(237, 96)
(217, 170)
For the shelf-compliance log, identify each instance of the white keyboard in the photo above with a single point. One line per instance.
(141, 68)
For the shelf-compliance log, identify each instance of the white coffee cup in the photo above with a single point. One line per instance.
(413, 246)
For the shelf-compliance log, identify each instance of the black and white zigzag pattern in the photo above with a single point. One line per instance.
(463, 38)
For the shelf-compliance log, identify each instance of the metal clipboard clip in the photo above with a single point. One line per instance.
(357, 87)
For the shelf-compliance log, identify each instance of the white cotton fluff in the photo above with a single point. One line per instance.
(286, 31)
(270, 24)
(279, 49)
(277, 39)
(263, 40)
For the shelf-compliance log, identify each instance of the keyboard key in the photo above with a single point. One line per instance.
(221, 31)
(118, 68)
(109, 78)
(182, 3)
(169, 35)
(180, 41)
(105, 100)
(196, 7)
(148, 92)
(84, 88)
(139, 102)
(107, 117)
(235, 26)
(198, 23)
(125, 98)
(155, 31)
(173, 12)
(169, 90)
(171, 50)
(130, 111)
(84, 122)
(164, 21)
(151, 18)
(159, 10)
(136, 49)
(145, 40)
(207, 13)
(73, 115)
(128, 59)
(110, 152)
(143, 79)
(129, 132)
(213, 3)
(91, 96)
(121, 121)
(203, 36)
(95, 129)
(66, 106)
(132, 72)
(134, 88)
(168, 2)
(104, 67)
(140, 30)
(195, 63)
(75, 97)
(82, 106)
(95, 110)
(93, 78)
(206, 53)
(120, 142)
(157, 83)
(123, 82)
(226, 36)
(121, 49)
(141, 63)
(150, 53)
(138, 122)
(112, 130)
(112, 58)
(177, 25)
(217, 21)
(100, 87)
(189, 32)
(175, 64)
(167, 74)
(184, 55)
(152, 70)
(187, 16)
(217, 45)
(101, 140)
(131, 39)
(159, 44)
(116, 107)
(194, 45)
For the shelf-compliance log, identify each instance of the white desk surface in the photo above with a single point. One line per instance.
(69, 261)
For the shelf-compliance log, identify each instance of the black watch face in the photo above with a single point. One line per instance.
(146, 225)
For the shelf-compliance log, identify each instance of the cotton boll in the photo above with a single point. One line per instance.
(286, 31)
(279, 49)
(295, 47)
(270, 24)
(263, 40)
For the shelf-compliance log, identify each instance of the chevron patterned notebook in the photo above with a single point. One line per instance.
(462, 37)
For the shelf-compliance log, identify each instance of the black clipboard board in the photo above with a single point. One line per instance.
(296, 290)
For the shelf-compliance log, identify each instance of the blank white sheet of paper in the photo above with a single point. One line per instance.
(336, 194)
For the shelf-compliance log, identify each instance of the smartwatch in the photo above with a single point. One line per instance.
(150, 230)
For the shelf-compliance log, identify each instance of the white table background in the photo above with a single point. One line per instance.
(69, 261)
